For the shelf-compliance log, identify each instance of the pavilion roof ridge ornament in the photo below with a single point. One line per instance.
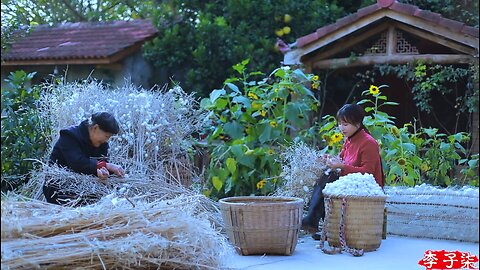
(385, 3)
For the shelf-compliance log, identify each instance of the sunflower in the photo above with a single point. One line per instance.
(315, 78)
(337, 137)
(261, 183)
(401, 161)
(374, 89)
(424, 167)
(252, 95)
(395, 131)
(273, 123)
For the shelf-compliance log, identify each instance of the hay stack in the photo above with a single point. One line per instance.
(302, 165)
(114, 233)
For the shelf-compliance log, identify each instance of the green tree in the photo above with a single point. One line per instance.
(199, 41)
(21, 123)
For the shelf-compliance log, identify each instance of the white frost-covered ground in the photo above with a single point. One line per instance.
(394, 253)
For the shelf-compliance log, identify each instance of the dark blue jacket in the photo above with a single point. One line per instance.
(74, 150)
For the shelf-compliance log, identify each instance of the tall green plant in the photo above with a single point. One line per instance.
(249, 121)
(21, 125)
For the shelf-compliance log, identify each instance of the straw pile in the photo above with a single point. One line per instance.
(155, 125)
(90, 189)
(301, 167)
(114, 233)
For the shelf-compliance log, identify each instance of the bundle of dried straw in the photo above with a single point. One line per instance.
(155, 125)
(89, 189)
(114, 233)
(301, 167)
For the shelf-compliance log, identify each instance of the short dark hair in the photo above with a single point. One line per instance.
(105, 121)
(351, 113)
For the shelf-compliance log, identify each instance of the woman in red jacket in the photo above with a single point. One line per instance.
(360, 153)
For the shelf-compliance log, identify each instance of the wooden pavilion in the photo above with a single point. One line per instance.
(394, 33)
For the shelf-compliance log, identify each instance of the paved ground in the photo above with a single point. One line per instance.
(394, 253)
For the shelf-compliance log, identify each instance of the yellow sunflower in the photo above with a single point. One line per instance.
(261, 183)
(337, 137)
(401, 162)
(395, 131)
(374, 89)
(252, 95)
(273, 123)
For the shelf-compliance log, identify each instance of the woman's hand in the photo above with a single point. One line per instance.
(115, 169)
(103, 173)
(335, 163)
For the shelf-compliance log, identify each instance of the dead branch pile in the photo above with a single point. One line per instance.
(156, 125)
(302, 165)
(114, 233)
(89, 189)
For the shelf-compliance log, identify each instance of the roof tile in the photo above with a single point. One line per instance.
(326, 29)
(472, 31)
(404, 8)
(307, 39)
(453, 25)
(347, 20)
(367, 10)
(428, 15)
(80, 40)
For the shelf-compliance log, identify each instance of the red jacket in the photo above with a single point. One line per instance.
(360, 153)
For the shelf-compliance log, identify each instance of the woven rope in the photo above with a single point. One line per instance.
(323, 238)
(355, 252)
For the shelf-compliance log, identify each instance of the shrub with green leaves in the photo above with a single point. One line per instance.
(22, 136)
(247, 124)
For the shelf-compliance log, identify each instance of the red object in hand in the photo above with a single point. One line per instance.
(101, 164)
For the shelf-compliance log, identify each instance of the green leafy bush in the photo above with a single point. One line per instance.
(248, 123)
(21, 138)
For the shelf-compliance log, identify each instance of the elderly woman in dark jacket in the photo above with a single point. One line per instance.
(83, 149)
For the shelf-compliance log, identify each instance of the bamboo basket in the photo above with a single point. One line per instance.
(262, 224)
(363, 221)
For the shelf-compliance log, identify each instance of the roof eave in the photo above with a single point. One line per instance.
(294, 56)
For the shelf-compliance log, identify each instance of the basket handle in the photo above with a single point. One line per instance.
(341, 232)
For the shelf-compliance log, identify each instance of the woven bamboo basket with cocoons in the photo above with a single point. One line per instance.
(363, 221)
(354, 213)
(262, 224)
